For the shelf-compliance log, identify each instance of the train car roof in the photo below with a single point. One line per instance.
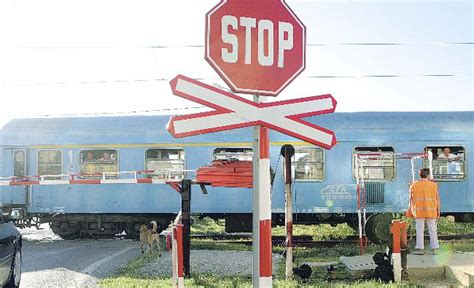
(356, 126)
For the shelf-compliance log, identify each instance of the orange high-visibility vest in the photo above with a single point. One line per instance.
(424, 199)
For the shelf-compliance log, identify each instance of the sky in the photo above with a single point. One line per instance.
(63, 57)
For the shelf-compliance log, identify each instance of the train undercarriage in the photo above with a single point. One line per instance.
(98, 226)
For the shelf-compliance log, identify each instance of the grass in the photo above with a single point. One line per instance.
(129, 275)
(323, 232)
(319, 232)
(205, 244)
(207, 225)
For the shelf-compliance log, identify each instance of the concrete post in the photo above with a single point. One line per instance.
(262, 215)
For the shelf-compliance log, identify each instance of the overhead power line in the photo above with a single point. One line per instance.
(201, 79)
(460, 43)
(117, 112)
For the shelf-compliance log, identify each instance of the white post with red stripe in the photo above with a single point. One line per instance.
(399, 238)
(262, 215)
(177, 253)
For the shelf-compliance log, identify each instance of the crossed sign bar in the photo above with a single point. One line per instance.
(232, 112)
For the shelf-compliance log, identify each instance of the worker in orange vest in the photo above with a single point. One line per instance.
(425, 206)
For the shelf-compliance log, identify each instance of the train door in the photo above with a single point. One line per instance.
(15, 164)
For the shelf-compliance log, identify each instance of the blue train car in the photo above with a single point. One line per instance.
(324, 180)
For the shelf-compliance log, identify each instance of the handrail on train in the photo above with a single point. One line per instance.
(162, 174)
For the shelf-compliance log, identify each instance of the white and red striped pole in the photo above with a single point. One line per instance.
(396, 230)
(177, 259)
(262, 207)
(174, 257)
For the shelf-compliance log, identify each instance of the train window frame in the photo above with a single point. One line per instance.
(394, 178)
(165, 148)
(449, 146)
(15, 162)
(93, 176)
(60, 164)
(293, 165)
(244, 147)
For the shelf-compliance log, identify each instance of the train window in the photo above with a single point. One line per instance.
(448, 162)
(308, 164)
(96, 162)
(49, 163)
(19, 164)
(382, 168)
(166, 163)
(241, 154)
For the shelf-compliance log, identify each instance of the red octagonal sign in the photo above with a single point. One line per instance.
(256, 46)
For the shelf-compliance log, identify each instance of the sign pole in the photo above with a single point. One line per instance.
(288, 151)
(186, 220)
(262, 216)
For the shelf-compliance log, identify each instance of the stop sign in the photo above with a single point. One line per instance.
(256, 46)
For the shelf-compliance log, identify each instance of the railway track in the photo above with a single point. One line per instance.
(303, 240)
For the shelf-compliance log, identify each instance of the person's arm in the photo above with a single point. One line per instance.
(409, 212)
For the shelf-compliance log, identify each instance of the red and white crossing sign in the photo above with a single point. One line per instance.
(257, 47)
(231, 112)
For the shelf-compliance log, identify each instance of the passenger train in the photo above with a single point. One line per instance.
(323, 179)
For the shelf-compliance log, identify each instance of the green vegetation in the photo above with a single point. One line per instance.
(207, 225)
(325, 231)
(319, 232)
(129, 276)
(445, 227)
(206, 244)
(131, 269)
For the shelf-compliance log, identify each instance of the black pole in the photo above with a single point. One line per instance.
(186, 219)
(287, 151)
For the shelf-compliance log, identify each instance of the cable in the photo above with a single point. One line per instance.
(201, 79)
(116, 113)
(460, 43)
(388, 76)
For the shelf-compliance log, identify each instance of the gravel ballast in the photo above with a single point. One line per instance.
(216, 262)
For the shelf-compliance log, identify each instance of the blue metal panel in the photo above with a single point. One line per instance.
(406, 132)
(13, 195)
(140, 198)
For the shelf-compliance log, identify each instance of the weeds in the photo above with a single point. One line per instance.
(128, 276)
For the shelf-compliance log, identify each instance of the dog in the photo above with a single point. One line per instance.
(149, 236)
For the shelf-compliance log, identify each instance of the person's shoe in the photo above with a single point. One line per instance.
(434, 251)
(419, 252)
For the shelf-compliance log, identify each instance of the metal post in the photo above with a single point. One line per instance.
(359, 216)
(430, 163)
(404, 248)
(174, 256)
(262, 223)
(186, 220)
(288, 151)
(180, 255)
(396, 257)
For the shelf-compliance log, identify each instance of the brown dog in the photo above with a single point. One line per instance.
(149, 236)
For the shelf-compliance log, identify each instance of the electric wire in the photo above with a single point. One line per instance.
(117, 112)
(316, 44)
(212, 78)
